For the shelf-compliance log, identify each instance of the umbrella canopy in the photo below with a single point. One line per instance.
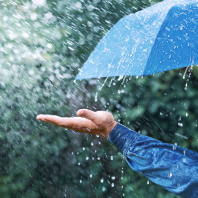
(159, 38)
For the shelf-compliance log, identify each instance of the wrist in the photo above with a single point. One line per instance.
(108, 131)
(123, 138)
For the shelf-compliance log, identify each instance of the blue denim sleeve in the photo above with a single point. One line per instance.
(172, 167)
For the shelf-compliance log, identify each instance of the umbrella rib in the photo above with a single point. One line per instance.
(154, 47)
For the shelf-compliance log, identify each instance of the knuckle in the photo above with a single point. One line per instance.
(101, 122)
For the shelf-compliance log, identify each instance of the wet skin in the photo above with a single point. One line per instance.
(98, 123)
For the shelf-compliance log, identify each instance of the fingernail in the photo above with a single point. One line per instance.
(81, 112)
(38, 117)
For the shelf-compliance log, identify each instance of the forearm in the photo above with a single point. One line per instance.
(173, 167)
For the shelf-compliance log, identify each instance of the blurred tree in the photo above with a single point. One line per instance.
(42, 46)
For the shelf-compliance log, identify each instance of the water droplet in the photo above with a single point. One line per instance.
(78, 5)
(120, 78)
(170, 175)
(96, 97)
(180, 124)
(39, 2)
(175, 146)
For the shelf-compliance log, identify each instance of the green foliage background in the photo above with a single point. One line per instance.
(41, 49)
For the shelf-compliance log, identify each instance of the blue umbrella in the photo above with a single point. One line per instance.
(156, 39)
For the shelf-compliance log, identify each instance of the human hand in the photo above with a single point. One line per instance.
(98, 123)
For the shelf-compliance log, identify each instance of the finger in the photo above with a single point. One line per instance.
(51, 119)
(88, 114)
(77, 124)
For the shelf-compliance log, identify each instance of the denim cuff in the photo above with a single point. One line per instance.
(122, 138)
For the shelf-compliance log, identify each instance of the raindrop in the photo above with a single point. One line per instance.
(186, 87)
(101, 180)
(90, 8)
(181, 27)
(87, 158)
(34, 16)
(181, 136)
(25, 35)
(78, 5)
(39, 2)
(170, 175)
(175, 146)
(103, 189)
(113, 177)
(90, 24)
(96, 97)
(180, 124)
(120, 78)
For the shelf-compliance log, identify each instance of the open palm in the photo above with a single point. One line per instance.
(99, 123)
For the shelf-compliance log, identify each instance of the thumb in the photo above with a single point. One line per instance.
(88, 114)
